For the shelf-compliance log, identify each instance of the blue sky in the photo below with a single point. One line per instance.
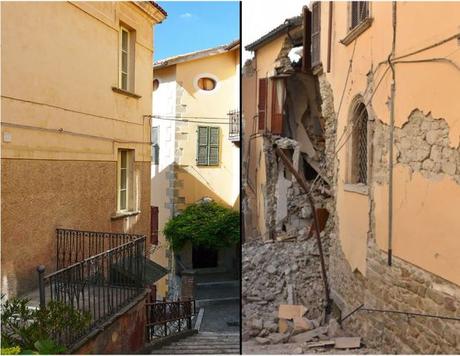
(195, 25)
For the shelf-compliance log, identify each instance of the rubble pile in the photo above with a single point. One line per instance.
(302, 335)
(276, 273)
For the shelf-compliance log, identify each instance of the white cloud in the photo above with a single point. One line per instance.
(261, 16)
(186, 15)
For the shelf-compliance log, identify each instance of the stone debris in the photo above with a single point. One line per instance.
(268, 270)
(320, 343)
(302, 324)
(286, 311)
(347, 342)
(263, 340)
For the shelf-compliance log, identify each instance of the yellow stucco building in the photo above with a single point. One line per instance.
(196, 136)
(76, 86)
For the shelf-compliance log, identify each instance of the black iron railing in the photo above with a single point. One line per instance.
(74, 246)
(165, 318)
(234, 125)
(100, 285)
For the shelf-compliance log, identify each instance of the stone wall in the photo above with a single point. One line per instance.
(408, 288)
(422, 143)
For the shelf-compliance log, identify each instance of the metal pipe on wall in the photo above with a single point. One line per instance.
(390, 152)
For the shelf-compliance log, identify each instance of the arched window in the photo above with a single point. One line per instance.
(358, 123)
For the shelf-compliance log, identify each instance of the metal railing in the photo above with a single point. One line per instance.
(165, 318)
(100, 285)
(234, 125)
(74, 246)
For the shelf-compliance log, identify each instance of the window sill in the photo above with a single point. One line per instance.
(126, 92)
(356, 188)
(124, 214)
(355, 32)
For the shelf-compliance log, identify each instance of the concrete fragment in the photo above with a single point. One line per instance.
(322, 343)
(264, 333)
(257, 324)
(277, 338)
(309, 335)
(283, 326)
(347, 342)
(333, 328)
(271, 326)
(262, 340)
(286, 311)
(297, 350)
(290, 291)
(302, 324)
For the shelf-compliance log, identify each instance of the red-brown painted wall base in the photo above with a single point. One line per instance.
(125, 335)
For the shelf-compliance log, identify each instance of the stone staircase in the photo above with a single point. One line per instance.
(203, 343)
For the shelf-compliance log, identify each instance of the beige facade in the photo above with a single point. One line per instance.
(66, 114)
(183, 109)
(419, 272)
(426, 172)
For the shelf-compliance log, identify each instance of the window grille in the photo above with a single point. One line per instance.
(359, 123)
(359, 12)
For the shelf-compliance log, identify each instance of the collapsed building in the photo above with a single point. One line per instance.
(365, 111)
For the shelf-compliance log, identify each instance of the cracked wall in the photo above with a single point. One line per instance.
(426, 178)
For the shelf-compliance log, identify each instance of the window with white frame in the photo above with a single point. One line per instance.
(126, 59)
(125, 179)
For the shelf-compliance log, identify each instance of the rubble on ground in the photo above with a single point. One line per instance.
(277, 273)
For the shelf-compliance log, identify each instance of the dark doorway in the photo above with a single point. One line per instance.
(204, 257)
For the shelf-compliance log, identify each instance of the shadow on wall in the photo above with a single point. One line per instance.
(192, 189)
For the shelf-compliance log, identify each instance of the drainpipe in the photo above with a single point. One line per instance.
(392, 126)
(329, 37)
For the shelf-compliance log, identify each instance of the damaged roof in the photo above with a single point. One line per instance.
(197, 54)
(278, 31)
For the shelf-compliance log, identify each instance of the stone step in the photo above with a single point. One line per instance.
(232, 282)
(193, 344)
(197, 352)
(219, 290)
(196, 349)
(203, 343)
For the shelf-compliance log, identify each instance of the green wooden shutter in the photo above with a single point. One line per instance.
(202, 146)
(213, 146)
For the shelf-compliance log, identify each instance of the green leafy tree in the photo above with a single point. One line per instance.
(206, 224)
(33, 330)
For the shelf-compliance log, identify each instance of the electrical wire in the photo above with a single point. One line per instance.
(188, 117)
(191, 121)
